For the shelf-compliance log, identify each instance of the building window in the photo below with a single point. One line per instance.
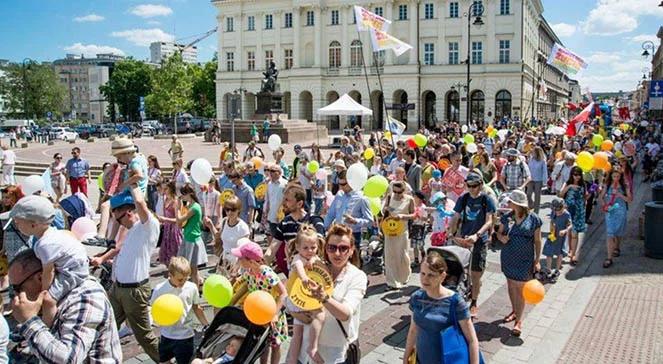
(453, 52)
(453, 10)
(478, 8)
(477, 52)
(334, 17)
(505, 7)
(429, 54)
(379, 11)
(379, 59)
(288, 20)
(310, 18)
(268, 21)
(251, 59)
(356, 58)
(453, 106)
(251, 23)
(505, 50)
(230, 24)
(477, 105)
(402, 12)
(429, 11)
(288, 58)
(269, 58)
(230, 61)
(334, 54)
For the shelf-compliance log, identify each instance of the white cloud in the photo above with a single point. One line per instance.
(613, 71)
(611, 17)
(88, 18)
(564, 29)
(602, 58)
(90, 50)
(143, 37)
(643, 38)
(154, 22)
(151, 10)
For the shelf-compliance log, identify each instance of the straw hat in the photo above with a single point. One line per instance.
(122, 145)
(518, 197)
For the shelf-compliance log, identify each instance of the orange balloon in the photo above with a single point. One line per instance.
(607, 145)
(444, 164)
(260, 307)
(601, 161)
(533, 292)
(257, 162)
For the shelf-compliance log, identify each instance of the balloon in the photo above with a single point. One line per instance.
(167, 310)
(369, 153)
(533, 292)
(629, 149)
(257, 162)
(601, 161)
(84, 228)
(313, 166)
(411, 143)
(625, 127)
(32, 184)
(260, 307)
(217, 290)
(321, 174)
(468, 138)
(597, 139)
(489, 129)
(357, 175)
(376, 205)
(492, 133)
(471, 148)
(274, 142)
(607, 145)
(376, 186)
(617, 132)
(201, 171)
(387, 134)
(618, 154)
(444, 164)
(420, 140)
(585, 161)
(463, 128)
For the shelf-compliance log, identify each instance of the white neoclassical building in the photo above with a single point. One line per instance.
(320, 55)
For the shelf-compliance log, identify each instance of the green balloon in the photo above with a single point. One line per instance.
(468, 138)
(376, 186)
(313, 166)
(217, 290)
(375, 204)
(597, 139)
(420, 140)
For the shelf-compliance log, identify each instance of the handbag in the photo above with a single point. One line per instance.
(454, 346)
(353, 353)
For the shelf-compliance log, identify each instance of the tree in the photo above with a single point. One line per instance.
(32, 90)
(204, 89)
(130, 80)
(172, 88)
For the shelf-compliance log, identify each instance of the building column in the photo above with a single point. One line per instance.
(296, 27)
(345, 39)
(413, 41)
(278, 52)
(260, 56)
(317, 19)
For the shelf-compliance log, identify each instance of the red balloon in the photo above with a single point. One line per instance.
(411, 143)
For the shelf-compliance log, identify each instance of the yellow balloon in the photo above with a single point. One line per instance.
(167, 310)
(387, 134)
(369, 153)
(585, 161)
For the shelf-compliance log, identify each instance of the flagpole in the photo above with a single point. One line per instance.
(386, 112)
(368, 87)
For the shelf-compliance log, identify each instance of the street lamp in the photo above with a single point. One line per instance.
(645, 72)
(25, 85)
(647, 46)
(235, 112)
(476, 10)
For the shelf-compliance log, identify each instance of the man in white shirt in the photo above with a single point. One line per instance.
(8, 162)
(562, 171)
(275, 189)
(130, 293)
(396, 162)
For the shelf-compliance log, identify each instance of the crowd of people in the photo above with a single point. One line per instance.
(452, 186)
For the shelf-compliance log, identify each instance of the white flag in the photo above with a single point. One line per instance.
(381, 40)
(395, 126)
(368, 20)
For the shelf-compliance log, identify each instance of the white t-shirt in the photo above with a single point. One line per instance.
(62, 249)
(230, 235)
(159, 206)
(181, 179)
(132, 263)
(304, 177)
(189, 295)
(275, 197)
(8, 157)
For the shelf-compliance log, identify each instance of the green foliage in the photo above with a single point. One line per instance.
(32, 90)
(130, 80)
(204, 89)
(172, 88)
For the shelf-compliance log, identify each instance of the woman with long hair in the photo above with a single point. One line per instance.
(171, 238)
(316, 155)
(488, 169)
(614, 197)
(400, 206)
(58, 182)
(574, 193)
(227, 237)
(153, 178)
(192, 248)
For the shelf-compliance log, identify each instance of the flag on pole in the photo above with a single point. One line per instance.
(395, 126)
(574, 126)
(368, 20)
(566, 61)
(381, 41)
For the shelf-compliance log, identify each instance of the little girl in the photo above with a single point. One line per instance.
(192, 247)
(259, 276)
(304, 251)
(441, 218)
(418, 230)
(435, 183)
(560, 225)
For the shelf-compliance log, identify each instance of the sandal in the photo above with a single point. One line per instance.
(510, 317)
(516, 331)
(607, 263)
(616, 252)
(574, 262)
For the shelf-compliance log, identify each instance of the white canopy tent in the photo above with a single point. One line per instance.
(345, 105)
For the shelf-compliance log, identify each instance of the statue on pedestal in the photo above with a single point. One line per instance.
(271, 75)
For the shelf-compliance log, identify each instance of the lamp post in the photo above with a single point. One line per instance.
(235, 112)
(648, 48)
(25, 85)
(476, 10)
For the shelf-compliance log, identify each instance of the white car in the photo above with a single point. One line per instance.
(65, 134)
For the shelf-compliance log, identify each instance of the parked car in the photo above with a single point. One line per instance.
(65, 134)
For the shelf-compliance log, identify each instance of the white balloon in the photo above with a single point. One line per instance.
(201, 171)
(471, 148)
(274, 142)
(357, 176)
(32, 184)
(463, 128)
(618, 146)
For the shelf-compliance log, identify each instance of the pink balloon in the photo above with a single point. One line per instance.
(84, 228)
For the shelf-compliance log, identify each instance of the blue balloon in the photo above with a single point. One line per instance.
(437, 173)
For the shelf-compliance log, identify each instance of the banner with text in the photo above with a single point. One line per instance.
(566, 61)
(368, 20)
(381, 41)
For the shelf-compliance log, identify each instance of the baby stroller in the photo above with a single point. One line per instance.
(458, 268)
(230, 321)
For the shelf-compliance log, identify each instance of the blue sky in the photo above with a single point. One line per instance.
(607, 33)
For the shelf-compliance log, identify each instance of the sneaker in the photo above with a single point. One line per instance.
(125, 331)
(555, 273)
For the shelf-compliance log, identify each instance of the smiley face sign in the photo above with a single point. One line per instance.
(261, 190)
(226, 194)
(392, 227)
(301, 296)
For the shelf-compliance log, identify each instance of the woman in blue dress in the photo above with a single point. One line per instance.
(431, 307)
(520, 232)
(574, 194)
(615, 195)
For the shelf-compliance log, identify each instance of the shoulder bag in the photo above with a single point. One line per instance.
(353, 353)
(454, 346)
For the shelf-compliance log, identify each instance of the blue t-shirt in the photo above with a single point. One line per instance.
(560, 222)
(474, 213)
(139, 164)
(433, 317)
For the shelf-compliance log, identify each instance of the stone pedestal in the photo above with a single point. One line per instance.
(269, 102)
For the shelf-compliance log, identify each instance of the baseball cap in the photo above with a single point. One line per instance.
(339, 163)
(298, 147)
(34, 208)
(121, 199)
(557, 203)
(473, 177)
(248, 250)
(437, 197)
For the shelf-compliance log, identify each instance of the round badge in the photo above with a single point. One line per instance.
(226, 194)
(301, 296)
(261, 191)
(392, 227)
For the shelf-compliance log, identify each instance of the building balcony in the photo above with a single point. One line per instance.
(355, 70)
(333, 71)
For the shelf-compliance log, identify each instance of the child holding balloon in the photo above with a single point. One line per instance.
(560, 227)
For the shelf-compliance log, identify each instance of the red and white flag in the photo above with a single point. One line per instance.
(574, 125)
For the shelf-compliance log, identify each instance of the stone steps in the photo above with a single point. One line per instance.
(25, 169)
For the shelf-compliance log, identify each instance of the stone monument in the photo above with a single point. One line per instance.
(269, 99)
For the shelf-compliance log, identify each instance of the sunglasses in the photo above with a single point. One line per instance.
(330, 248)
(472, 185)
(19, 286)
(58, 157)
(229, 209)
(398, 192)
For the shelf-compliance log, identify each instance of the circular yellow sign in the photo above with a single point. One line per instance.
(392, 226)
(301, 296)
(241, 290)
(261, 191)
(226, 194)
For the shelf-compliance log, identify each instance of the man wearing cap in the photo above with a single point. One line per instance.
(470, 227)
(81, 332)
(136, 172)
(131, 290)
(77, 171)
(346, 147)
(515, 173)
